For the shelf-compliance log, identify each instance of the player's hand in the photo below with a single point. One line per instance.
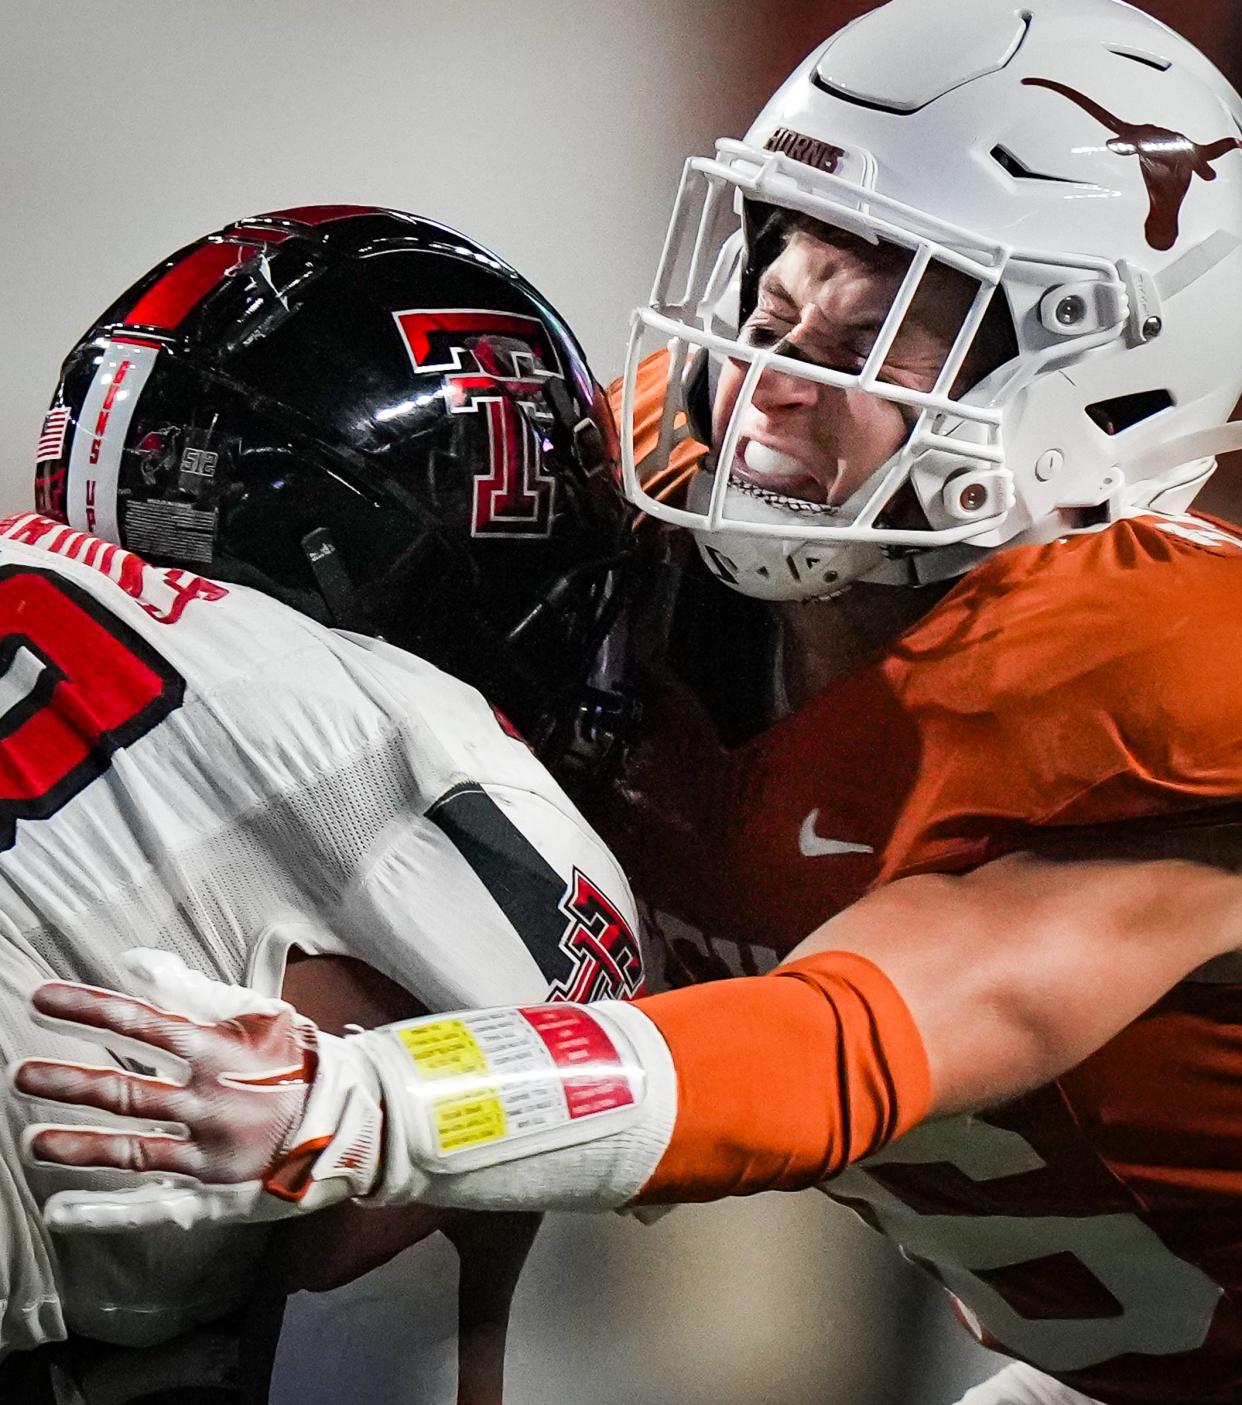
(252, 1113)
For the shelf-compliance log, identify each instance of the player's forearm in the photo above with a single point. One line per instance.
(785, 1079)
(953, 993)
(1018, 971)
(767, 1083)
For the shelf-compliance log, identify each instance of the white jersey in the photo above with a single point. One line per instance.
(199, 768)
(1020, 1384)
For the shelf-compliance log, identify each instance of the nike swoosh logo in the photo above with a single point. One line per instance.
(813, 846)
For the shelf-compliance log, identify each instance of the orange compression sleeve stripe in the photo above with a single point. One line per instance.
(784, 1079)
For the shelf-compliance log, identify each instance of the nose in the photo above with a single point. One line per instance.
(778, 391)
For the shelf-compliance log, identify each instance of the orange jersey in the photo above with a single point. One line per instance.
(1081, 683)
(1093, 1227)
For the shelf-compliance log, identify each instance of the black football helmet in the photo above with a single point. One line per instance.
(372, 418)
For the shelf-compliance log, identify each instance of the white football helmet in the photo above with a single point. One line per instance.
(1074, 158)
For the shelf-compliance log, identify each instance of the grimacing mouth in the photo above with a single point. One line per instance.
(776, 471)
(774, 498)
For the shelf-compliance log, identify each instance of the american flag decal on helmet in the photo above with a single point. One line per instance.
(52, 438)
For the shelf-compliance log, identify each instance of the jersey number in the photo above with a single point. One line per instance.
(75, 684)
(1164, 1304)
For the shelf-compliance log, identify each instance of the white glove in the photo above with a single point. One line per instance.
(269, 1115)
(551, 1106)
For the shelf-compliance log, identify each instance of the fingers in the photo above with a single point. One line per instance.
(109, 1089)
(118, 1212)
(161, 1203)
(169, 984)
(95, 1147)
(110, 1011)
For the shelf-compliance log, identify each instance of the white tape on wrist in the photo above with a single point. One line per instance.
(551, 1106)
(343, 1121)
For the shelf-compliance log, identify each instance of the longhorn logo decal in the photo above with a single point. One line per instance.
(1169, 160)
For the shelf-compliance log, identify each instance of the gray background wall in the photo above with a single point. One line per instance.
(555, 132)
(552, 130)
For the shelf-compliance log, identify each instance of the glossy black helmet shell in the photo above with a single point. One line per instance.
(371, 417)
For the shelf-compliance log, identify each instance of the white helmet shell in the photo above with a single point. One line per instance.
(1076, 158)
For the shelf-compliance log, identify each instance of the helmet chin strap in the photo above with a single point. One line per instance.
(339, 595)
(1188, 448)
(943, 564)
(928, 567)
(836, 565)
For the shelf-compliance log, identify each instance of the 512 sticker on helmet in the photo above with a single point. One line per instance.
(75, 685)
(499, 367)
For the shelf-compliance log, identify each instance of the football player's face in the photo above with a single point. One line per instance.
(826, 302)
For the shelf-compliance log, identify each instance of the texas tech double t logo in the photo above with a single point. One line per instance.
(498, 365)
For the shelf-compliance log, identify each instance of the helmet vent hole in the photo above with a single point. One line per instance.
(1162, 65)
(1123, 411)
(1009, 163)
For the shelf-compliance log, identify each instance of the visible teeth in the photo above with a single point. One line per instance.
(760, 459)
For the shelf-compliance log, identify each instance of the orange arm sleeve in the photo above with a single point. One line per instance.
(784, 1079)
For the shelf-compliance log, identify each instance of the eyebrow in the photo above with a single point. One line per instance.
(771, 284)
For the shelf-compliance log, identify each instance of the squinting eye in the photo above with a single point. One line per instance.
(760, 335)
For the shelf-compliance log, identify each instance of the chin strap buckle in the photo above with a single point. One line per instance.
(339, 593)
(604, 724)
(1145, 320)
